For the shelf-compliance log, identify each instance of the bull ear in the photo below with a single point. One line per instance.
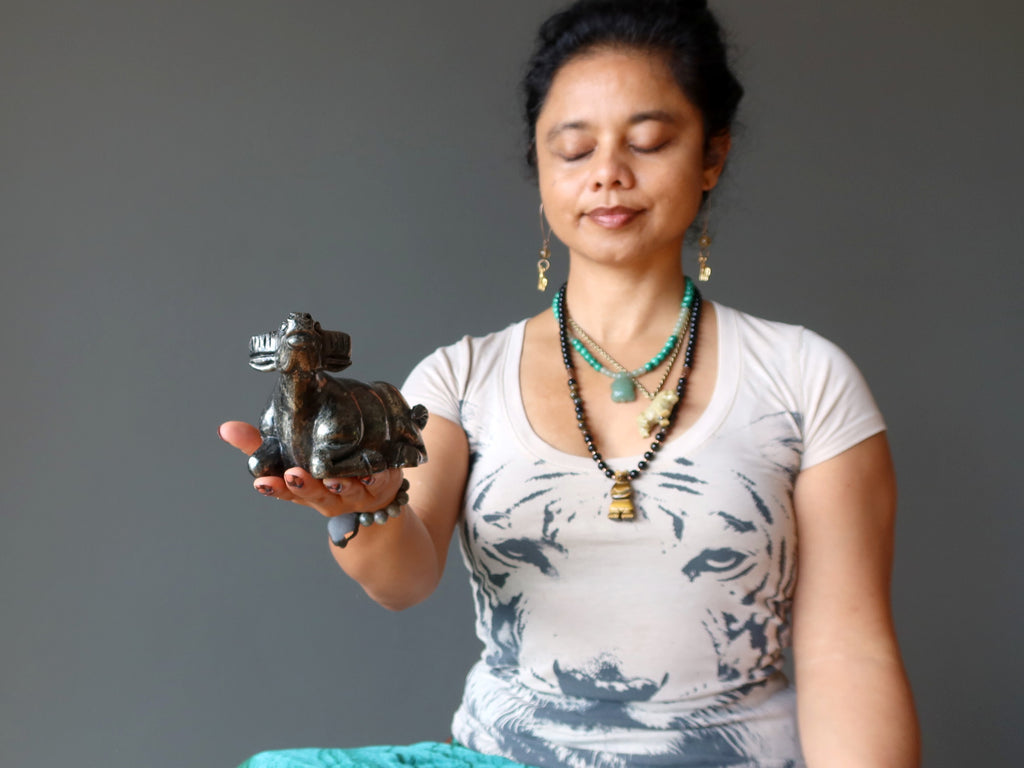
(263, 351)
(337, 350)
(419, 415)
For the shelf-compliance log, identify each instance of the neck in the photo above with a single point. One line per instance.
(617, 307)
(297, 386)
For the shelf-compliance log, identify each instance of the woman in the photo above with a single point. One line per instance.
(635, 585)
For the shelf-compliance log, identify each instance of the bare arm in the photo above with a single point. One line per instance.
(854, 701)
(400, 563)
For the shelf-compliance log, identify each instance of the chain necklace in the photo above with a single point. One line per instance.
(622, 490)
(621, 370)
(624, 381)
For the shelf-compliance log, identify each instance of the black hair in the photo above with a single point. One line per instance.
(685, 31)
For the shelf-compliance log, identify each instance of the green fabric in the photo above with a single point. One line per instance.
(427, 754)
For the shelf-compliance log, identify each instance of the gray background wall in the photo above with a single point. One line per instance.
(175, 176)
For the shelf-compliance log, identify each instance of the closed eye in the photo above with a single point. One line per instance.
(713, 561)
(577, 156)
(649, 150)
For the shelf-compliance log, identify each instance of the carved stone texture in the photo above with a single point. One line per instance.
(330, 427)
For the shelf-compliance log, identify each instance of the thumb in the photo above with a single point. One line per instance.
(245, 437)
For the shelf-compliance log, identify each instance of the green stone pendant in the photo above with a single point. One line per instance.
(623, 389)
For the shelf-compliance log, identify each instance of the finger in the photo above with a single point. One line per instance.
(383, 486)
(245, 437)
(273, 487)
(298, 480)
(304, 486)
(374, 483)
(366, 494)
(345, 487)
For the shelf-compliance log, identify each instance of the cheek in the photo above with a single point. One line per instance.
(686, 178)
(560, 194)
(681, 195)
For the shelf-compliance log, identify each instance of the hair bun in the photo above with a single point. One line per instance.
(694, 5)
(673, 6)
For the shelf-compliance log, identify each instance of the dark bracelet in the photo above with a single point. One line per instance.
(343, 528)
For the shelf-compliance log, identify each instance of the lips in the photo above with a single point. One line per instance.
(614, 217)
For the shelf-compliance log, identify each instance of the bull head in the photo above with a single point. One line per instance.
(300, 337)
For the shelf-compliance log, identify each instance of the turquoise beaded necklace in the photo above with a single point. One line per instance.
(625, 377)
(625, 381)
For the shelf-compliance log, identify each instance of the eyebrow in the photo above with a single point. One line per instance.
(658, 115)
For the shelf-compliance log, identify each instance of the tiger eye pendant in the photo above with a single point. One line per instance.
(622, 498)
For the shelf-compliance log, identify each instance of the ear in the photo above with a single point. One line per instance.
(337, 350)
(714, 159)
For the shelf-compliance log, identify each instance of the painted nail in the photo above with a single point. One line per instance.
(266, 490)
(294, 481)
(336, 487)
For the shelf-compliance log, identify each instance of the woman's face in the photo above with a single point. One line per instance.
(621, 158)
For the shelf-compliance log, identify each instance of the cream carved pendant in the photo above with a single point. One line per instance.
(657, 413)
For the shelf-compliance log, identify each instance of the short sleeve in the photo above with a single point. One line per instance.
(839, 410)
(439, 381)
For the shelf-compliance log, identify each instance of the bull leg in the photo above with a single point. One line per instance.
(266, 460)
(360, 464)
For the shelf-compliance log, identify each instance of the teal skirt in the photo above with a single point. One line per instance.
(427, 754)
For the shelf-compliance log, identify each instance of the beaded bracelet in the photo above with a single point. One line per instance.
(343, 528)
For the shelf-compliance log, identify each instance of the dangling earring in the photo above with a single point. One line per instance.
(544, 262)
(704, 271)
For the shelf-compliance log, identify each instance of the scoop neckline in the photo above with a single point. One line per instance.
(726, 385)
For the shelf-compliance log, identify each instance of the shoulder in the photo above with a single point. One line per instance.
(810, 374)
(776, 344)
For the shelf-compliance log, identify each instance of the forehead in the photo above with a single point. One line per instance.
(613, 84)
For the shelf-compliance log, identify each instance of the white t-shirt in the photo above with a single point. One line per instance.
(657, 641)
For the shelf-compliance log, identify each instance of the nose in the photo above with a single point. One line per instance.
(612, 170)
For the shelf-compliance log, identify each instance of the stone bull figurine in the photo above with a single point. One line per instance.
(330, 427)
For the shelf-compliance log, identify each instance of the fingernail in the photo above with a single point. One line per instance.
(336, 487)
(221, 436)
(266, 490)
(294, 481)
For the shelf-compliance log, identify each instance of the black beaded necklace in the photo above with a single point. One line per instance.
(622, 490)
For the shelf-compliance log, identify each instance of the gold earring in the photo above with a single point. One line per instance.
(704, 243)
(544, 262)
